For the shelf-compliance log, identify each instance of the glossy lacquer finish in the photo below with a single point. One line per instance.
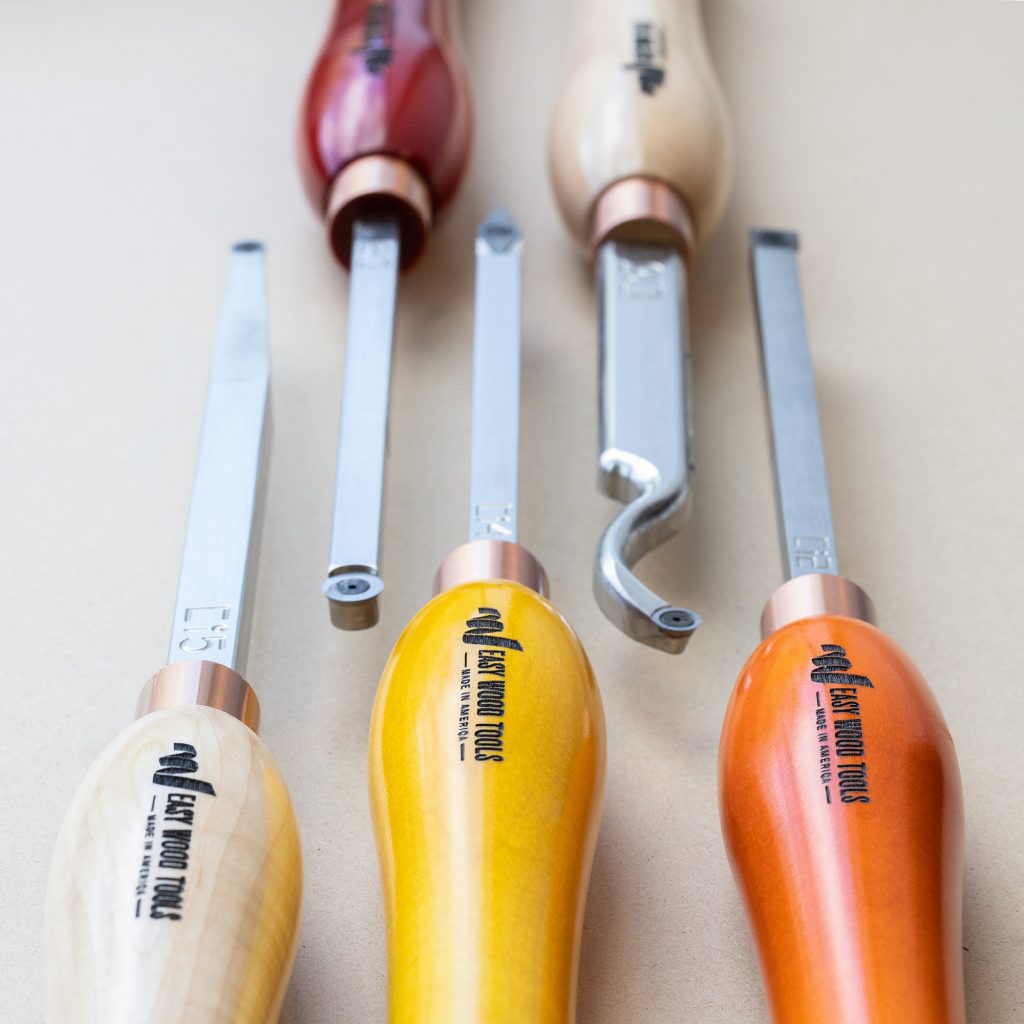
(388, 80)
(641, 100)
(843, 817)
(177, 880)
(486, 801)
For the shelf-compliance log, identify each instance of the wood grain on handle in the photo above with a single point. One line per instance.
(487, 761)
(176, 884)
(641, 100)
(843, 816)
(388, 81)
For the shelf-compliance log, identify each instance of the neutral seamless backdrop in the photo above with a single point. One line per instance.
(140, 140)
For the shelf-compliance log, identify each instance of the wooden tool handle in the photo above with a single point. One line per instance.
(641, 100)
(388, 82)
(843, 816)
(177, 881)
(487, 760)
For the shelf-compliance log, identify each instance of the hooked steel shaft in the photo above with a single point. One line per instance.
(646, 450)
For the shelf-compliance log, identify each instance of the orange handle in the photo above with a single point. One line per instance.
(843, 817)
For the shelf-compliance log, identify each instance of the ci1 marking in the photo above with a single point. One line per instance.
(642, 278)
(814, 554)
(493, 519)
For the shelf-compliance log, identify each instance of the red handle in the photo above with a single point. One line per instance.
(388, 83)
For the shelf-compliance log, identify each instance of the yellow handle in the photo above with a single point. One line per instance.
(487, 760)
(176, 884)
(641, 100)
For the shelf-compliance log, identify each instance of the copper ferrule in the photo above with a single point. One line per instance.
(805, 596)
(203, 684)
(642, 210)
(491, 560)
(373, 186)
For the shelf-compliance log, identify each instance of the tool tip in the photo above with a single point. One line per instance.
(675, 627)
(499, 232)
(354, 599)
(242, 349)
(768, 238)
(677, 620)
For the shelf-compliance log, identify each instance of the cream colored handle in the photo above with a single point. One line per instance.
(641, 100)
(176, 884)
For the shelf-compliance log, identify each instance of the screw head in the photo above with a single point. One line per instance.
(351, 587)
(676, 618)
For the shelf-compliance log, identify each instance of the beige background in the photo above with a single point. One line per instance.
(141, 139)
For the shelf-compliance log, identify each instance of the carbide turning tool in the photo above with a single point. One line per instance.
(838, 783)
(640, 160)
(487, 745)
(177, 879)
(384, 138)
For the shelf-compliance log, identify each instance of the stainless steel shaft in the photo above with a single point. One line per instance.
(494, 474)
(218, 569)
(353, 583)
(801, 480)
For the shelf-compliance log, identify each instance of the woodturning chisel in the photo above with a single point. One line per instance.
(640, 161)
(383, 140)
(176, 883)
(487, 744)
(839, 787)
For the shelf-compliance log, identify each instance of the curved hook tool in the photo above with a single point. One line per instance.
(640, 153)
(645, 432)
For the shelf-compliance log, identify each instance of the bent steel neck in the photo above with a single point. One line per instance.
(645, 431)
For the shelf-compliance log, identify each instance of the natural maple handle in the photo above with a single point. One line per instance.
(388, 81)
(853, 883)
(641, 100)
(206, 932)
(486, 835)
